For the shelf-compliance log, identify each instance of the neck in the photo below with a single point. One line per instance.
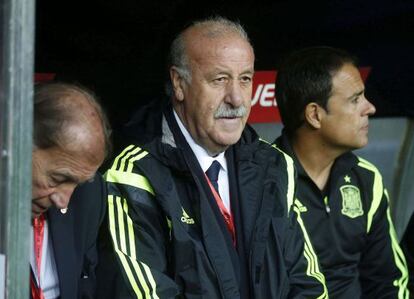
(315, 156)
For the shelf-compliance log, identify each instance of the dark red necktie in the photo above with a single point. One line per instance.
(212, 179)
(38, 233)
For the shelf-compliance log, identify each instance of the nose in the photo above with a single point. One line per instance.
(61, 197)
(370, 109)
(234, 94)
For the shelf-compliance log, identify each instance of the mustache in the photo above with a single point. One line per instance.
(227, 111)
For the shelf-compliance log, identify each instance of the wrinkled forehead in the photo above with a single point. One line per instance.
(76, 166)
(200, 42)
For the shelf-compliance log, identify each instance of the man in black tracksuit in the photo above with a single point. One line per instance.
(173, 229)
(342, 200)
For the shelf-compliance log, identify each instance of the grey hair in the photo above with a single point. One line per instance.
(216, 26)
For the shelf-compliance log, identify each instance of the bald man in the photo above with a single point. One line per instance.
(198, 205)
(70, 143)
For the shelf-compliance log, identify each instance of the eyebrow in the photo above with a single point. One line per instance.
(357, 94)
(219, 70)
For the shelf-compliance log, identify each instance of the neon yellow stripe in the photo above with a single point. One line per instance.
(399, 257)
(131, 179)
(149, 292)
(311, 272)
(129, 273)
(141, 278)
(291, 182)
(400, 262)
(137, 157)
(130, 233)
(313, 268)
(265, 141)
(151, 280)
(122, 241)
(111, 213)
(120, 156)
(392, 232)
(125, 158)
(377, 191)
(309, 253)
(291, 178)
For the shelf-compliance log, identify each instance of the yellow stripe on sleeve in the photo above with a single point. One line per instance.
(377, 191)
(399, 258)
(131, 179)
(290, 168)
(112, 229)
(310, 255)
(116, 220)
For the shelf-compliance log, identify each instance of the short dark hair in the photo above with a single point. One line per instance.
(51, 113)
(304, 77)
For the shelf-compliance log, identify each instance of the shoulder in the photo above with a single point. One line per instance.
(367, 170)
(126, 170)
(273, 151)
(276, 167)
(363, 163)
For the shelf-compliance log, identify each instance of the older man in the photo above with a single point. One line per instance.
(70, 143)
(199, 207)
(323, 106)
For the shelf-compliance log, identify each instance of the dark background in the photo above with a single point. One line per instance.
(119, 48)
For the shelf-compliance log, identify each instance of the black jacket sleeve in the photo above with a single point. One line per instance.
(133, 245)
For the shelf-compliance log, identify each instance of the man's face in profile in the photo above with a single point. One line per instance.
(56, 172)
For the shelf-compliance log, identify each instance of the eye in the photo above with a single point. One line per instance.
(220, 79)
(246, 79)
(355, 100)
(56, 180)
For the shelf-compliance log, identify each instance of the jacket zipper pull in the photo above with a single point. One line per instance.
(327, 207)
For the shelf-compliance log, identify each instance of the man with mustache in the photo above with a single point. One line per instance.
(198, 205)
(344, 204)
(71, 138)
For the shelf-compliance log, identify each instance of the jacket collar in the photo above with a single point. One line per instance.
(342, 164)
(156, 130)
(62, 233)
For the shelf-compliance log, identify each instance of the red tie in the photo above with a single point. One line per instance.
(38, 232)
(228, 217)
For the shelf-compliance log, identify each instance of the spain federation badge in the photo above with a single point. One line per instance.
(351, 201)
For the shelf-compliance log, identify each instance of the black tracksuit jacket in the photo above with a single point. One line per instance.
(165, 236)
(350, 227)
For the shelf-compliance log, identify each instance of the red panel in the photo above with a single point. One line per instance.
(264, 107)
(44, 77)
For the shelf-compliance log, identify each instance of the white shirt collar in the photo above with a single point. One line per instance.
(203, 158)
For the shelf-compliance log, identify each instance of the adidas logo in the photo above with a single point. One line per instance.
(186, 219)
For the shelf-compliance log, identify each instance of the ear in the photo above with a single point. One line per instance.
(314, 114)
(177, 83)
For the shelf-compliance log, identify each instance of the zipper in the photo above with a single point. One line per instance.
(327, 207)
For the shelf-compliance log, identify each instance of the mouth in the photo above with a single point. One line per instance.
(38, 208)
(228, 117)
(229, 120)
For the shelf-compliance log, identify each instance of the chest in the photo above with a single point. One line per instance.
(337, 218)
